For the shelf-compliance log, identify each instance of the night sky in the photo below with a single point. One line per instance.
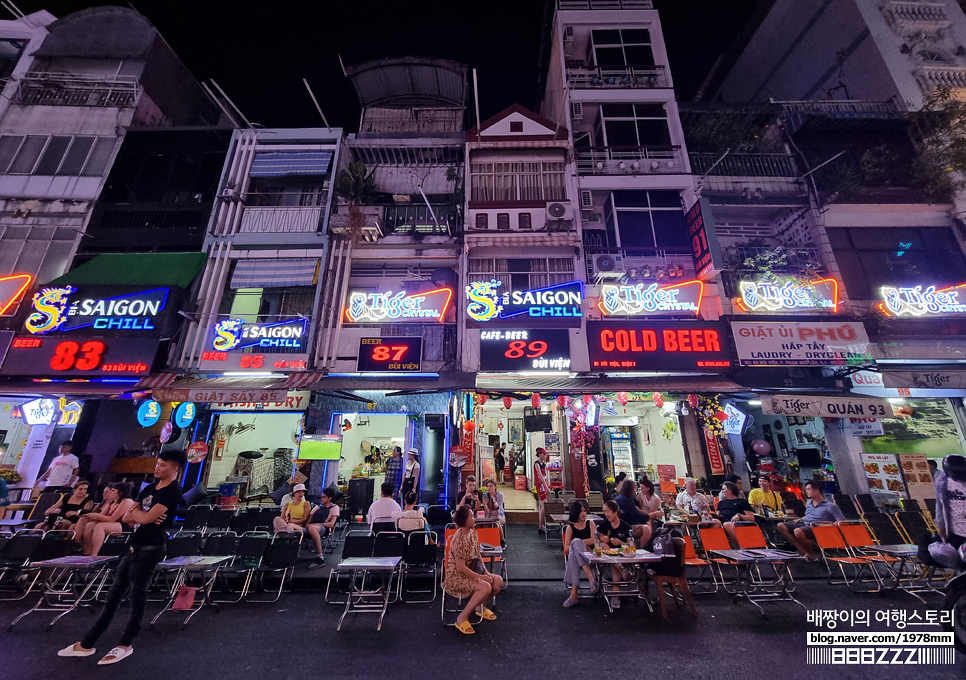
(259, 52)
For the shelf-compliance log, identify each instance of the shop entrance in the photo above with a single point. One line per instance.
(367, 443)
(255, 450)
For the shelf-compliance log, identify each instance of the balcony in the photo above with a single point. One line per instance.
(914, 17)
(577, 5)
(417, 220)
(931, 77)
(370, 230)
(280, 220)
(580, 77)
(638, 265)
(755, 176)
(68, 89)
(842, 114)
(630, 160)
(742, 262)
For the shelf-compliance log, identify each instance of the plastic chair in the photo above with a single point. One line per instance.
(715, 538)
(834, 550)
(691, 559)
(419, 563)
(677, 584)
(494, 536)
(357, 544)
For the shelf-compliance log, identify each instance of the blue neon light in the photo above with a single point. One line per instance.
(542, 311)
(121, 323)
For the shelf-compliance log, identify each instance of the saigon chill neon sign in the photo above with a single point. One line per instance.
(392, 306)
(779, 294)
(639, 299)
(487, 303)
(55, 311)
(916, 301)
(236, 334)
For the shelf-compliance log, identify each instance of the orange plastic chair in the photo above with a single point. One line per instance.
(691, 559)
(830, 539)
(715, 538)
(668, 488)
(493, 536)
(749, 536)
(857, 536)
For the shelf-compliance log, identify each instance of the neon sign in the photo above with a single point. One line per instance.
(773, 293)
(914, 301)
(11, 288)
(237, 334)
(392, 306)
(560, 300)
(652, 345)
(55, 311)
(637, 299)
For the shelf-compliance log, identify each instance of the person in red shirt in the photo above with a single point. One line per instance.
(541, 482)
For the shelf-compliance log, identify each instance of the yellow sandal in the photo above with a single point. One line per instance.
(487, 614)
(465, 628)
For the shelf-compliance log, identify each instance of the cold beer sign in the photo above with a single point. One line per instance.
(658, 345)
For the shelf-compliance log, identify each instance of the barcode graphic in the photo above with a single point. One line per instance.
(852, 656)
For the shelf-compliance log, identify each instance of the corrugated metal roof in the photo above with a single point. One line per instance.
(99, 33)
(409, 81)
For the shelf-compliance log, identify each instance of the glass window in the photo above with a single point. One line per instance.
(518, 181)
(623, 48)
(53, 155)
(73, 163)
(635, 229)
(8, 147)
(503, 220)
(670, 229)
(29, 152)
(482, 220)
(100, 156)
(523, 221)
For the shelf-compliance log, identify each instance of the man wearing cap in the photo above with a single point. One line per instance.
(411, 474)
(295, 514)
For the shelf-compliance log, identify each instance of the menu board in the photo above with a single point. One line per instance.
(883, 473)
(919, 482)
(666, 473)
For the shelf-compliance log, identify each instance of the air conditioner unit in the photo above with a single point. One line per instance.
(608, 266)
(577, 110)
(560, 211)
(586, 199)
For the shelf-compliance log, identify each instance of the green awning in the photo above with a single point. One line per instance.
(134, 269)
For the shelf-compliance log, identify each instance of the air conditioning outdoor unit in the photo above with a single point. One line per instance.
(560, 211)
(608, 266)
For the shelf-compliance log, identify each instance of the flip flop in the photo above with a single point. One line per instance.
(465, 628)
(117, 653)
(570, 603)
(70, 651)
(487, 614)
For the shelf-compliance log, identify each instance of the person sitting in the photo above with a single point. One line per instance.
(473, 496)
(296, 513)
(640, 522)
(614, 532)
(817, 509)
(648, 499)
(736, 480)
(689, 501)
(68, 508)
(765, 496)
(322, 524)
(578, 539)
(4, 497)
(382, 509)
(410, 518)
(93, 528)
(466, 575)
(493, 503)
(733, 509)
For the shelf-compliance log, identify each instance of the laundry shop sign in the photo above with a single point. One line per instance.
(807, 343)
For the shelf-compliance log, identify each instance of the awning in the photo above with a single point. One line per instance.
(291, 163)
(592, 385)
(77, 390)
(299, 381)
(154, 381)
(135, 269)
(275, 273)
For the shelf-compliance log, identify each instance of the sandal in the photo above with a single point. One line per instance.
(70, 651)
(487, 614)
(568, 603)
(115, 655)
(465, 628)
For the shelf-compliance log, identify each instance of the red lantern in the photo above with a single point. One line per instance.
(622, 398)
(507, 402)
(721, 415)
(535, 400)
(658, 399)
(481, 399)
(469, 426)
(563, 401)
(693, 400)
(587, 399)
(500, 425)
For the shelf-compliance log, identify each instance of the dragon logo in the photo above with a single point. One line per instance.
(227, 334)
(51, 310)
(483, 299)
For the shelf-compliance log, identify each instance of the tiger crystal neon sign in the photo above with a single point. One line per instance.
(773, 293)
(640, 299)
(392, 306)
(917, 301)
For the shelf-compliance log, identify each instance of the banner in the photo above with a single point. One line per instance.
(223, 396)
(805, 343)
(919, 481)
(826, 407)
(883, 473)
(714, 453)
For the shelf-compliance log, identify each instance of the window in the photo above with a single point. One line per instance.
(53, 155)
(931, 57)
(635, 125)
(516, 126)
(287, 191)
(870, 258)
(648, 219)
(523, 273)
(617, 49)
(77, 154)
(10, 51)
(272, 304)
(57, 155)
(40, 251)
(482, 220)
(503, 221)
(523, 221)
(100, 156)
(29, 152)
(518, 181)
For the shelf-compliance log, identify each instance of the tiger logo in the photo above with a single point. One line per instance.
(51, 310)
(227, 334)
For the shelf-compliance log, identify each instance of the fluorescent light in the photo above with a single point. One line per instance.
(754, 402)
(246, 374)
(896, 400)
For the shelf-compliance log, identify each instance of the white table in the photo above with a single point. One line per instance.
(63, 589)
(371, 600)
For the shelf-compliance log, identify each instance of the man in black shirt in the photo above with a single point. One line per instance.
(151, 517)
(733, 509)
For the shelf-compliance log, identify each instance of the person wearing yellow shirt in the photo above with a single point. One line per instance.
(765, 496)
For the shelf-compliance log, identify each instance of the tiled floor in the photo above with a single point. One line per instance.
(518, 500)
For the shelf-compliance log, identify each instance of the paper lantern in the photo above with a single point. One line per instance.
(469, 426)
(658, 399)
(693, 400)
(535, 400)
(622, 398)
(563, 401)
(480, 399)
(761, 447)
(587, 398)
(500, 425)
(721, 415)
(507, 402)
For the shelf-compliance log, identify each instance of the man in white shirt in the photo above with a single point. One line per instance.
(689, 501)
(383, 508)
(63, 470)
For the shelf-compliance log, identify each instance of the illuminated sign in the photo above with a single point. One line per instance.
(390, 355)
(705, 250)
(736, 420)
(70, 411)
(253, 361)
(826, 407)
(149, 413)
(39, 411)
(525, 350)
(79, 357)
(657, 345)
(806, 343)
(236, 334)
(773, 293)
(915, 301)
(560, 302)
(105, 310)
(642, 299)
(184, 414)
(393, 307)
(12, 289)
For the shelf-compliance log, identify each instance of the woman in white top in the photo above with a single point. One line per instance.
(648, 499)
(411, 517)
(411, 475)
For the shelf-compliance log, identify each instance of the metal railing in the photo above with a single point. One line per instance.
(67, 89)
(603, 4)
(655, 265)
(417, 219)
(607, 78)
(846, 108)
(173, 216)
(743, 164)
(926, 16)
(630, 160)
(280, 220)
(772, 258)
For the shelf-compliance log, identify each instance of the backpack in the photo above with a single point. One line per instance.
(662, 543)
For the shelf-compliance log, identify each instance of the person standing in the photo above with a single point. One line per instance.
(153, 514)
(951, 500)
(63, 470)
(499, 462)
(395, 467)
(541, 483)
(411, 474)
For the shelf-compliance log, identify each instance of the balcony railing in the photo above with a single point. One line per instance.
(743, 164)
(654, 265)
(779, 259)
(931, 77)
(630, 160)
(910, 17)
(608, 78)
(846, 108)
(67, 89)
(417, 219)
(576, 5)
(280, 220)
